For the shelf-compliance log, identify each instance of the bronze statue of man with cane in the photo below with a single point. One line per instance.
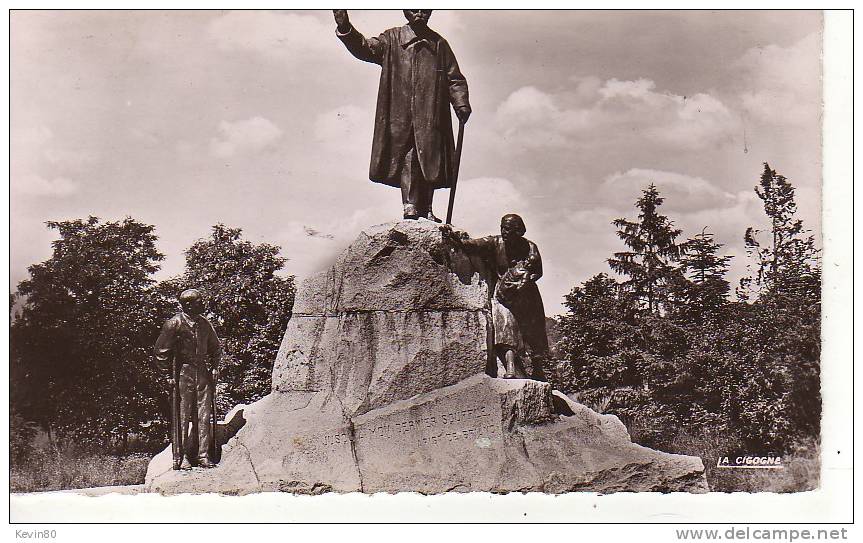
(413, 145)
(189, 348)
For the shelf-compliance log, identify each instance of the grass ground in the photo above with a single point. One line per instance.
(46, 469)
(801, 467)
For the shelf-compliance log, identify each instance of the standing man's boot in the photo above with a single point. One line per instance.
(427, 205)
(510, 365)
(205, 463)
(411, 212)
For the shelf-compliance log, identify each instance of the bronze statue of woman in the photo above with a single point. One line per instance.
(516, 305)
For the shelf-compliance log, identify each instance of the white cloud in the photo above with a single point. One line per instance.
(615, 112)
(481, 202)
(37, 146)
(696, 122)
(783, 83)
(692, 203)
(35, 185)
(523, 105)
(341, 138)
(288, 37)
(727, 223)
(240, 136)
(585, 239)
(641, 89)
(533, 118)
(680, 191)
(40, 166)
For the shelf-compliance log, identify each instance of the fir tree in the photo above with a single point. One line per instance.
(653, 250)
(703, 291)
(788, 264)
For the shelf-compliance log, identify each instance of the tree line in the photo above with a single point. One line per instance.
(81, 364)
(664, 344)
(660, 340)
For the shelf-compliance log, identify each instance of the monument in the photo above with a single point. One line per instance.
(383, 383)
(387, 376)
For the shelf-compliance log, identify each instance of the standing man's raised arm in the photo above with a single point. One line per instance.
(368, 50)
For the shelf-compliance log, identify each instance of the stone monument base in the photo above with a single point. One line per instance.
(479, 435)
(383, 384)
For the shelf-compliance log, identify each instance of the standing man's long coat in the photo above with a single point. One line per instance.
(420, 78)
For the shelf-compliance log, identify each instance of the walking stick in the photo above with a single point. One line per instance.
(214, 446)
(177, 437)
(455, 171)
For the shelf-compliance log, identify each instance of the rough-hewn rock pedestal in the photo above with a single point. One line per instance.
(380, 385)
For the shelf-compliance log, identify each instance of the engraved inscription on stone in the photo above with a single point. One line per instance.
(321, 445)
(334, 441)
(466, 425)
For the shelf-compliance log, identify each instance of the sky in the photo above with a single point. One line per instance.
(262, 120)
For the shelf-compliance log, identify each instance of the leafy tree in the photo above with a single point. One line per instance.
(81, 342)
(648, 264)
(250, 307)
(756, 376)
(615, 351)
(788, 264)
(583, 334)
(597, 322)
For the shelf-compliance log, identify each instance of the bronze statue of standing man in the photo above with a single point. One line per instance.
(189, 348)
(413, 143)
